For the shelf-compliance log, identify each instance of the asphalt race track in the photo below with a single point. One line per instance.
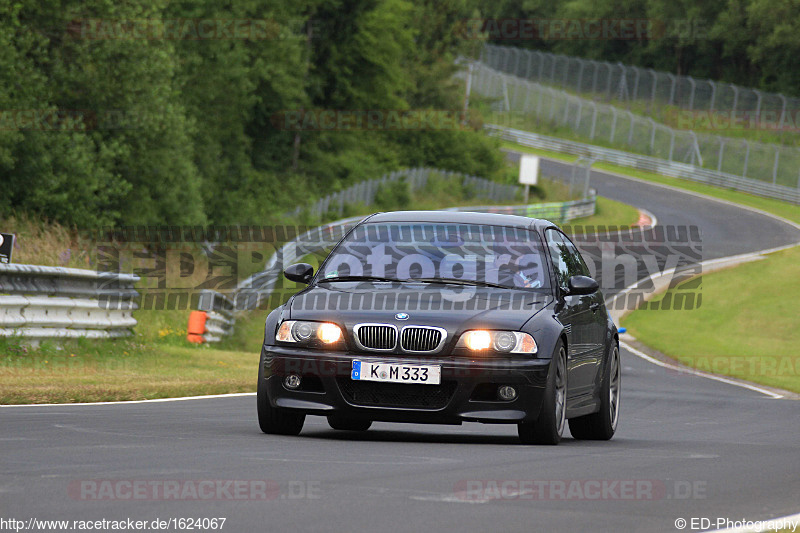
(692, 447)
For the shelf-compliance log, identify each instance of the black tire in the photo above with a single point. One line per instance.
(549, 427)
(603, 424)
(348, 424)
(273, 420)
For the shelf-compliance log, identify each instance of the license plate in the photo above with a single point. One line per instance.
(396, 372)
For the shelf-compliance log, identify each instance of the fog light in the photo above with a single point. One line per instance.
(292, 381)
(507, 393)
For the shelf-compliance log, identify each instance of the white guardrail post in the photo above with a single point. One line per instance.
(219, 315)
(39, 302)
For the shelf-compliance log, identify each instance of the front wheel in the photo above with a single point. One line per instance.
(274, 420)
(603, 424)
(549, 427)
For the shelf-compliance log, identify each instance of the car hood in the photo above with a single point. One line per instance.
(454, 308)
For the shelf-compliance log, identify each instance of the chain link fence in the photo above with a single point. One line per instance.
(525, 100)
(615, 81)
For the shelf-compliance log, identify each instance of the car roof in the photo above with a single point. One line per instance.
(460, 217)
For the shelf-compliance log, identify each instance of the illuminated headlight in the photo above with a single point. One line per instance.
(477, 340)
(305, 332)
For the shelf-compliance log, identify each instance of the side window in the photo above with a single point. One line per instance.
(559, 255)
(575, 264)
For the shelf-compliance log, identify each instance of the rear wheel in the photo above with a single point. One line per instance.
(549, 427)
(348, 424)
(274, 420)
(603, 424)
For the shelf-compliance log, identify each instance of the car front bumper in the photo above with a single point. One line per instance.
(466, 392)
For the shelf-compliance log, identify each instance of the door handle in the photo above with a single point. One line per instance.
(594, 307)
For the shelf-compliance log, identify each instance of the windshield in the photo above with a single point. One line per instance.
(435, 252)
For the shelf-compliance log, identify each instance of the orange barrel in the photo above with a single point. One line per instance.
(196, 327)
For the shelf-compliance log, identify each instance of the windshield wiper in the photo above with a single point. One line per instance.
(360, 278)
(459, 281)
(446, 281)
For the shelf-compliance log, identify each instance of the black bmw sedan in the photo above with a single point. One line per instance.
(444, 318)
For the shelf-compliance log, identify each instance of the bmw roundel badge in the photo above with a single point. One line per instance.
(401, 316)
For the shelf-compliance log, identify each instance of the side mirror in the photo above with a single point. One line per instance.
(299, 272)
(580, 285)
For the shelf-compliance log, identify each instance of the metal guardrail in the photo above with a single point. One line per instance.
(53, 302)
(365, 192)
(219, 315)
(647, 163)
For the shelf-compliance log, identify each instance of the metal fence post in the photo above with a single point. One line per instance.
(613, 125)
(697, 149)
(691, 94)
(672, 89)
(527, 95)
(746, 158)
(539, 102)
(652, 134)
(671, 143)
(630, 131)
(783, 112)
(653, 91)
(775, 165)
(713, 94)
(719, 154)
(594, 120)
(540, 57)
(759, 95)
(623, 83)
(528, 65)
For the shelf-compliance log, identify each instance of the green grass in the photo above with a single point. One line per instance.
(608, 213)
(157, 362)
(746, 327)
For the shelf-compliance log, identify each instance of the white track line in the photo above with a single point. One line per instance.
(156, 400)
(700, 373)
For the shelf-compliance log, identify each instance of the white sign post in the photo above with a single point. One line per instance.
(528, 172)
